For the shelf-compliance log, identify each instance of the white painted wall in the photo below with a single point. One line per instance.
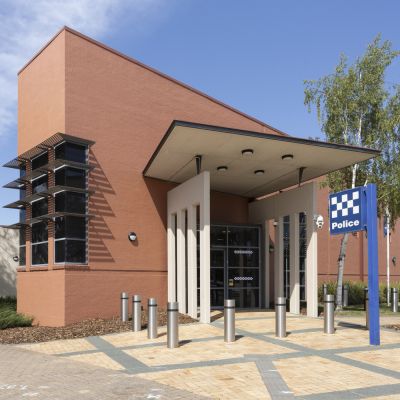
(291, 202)
(9, 242)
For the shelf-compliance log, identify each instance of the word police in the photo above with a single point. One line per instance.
(345, 224)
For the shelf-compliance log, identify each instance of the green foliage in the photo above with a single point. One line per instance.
(9, 318)
(356, 291)
(354, 106)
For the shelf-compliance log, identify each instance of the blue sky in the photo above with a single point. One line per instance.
(253, 55)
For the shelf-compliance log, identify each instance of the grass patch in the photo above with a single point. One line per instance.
(9, 318)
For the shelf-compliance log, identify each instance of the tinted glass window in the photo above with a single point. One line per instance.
(39, 208)
(72, 251)
(71, 152)
(22, 215)
(39, 185)
(240, 236)
(39, 161)
(70, 227)
(71, 177)
(246, 258)
(40, 253)
(71, 202)
(22, 236)
(218, 235)
(22, 255)
(39, 232)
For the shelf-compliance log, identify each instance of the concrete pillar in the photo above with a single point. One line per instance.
(312, 259)
(192, 262)
(171, 257)
(180, 255)
(278, 258)
(294, 264)
(266, 264)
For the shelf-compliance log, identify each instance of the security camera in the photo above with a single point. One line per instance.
(319, 221)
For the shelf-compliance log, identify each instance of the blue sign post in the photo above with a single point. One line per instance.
(355, 210)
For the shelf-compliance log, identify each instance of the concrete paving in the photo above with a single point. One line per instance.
(307, 364)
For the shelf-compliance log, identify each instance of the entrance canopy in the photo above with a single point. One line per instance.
(247, 163)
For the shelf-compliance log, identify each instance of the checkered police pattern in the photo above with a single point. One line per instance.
(343, 206)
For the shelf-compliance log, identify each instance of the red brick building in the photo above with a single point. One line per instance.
(108, 146)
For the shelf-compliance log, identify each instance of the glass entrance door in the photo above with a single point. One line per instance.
(235, 265)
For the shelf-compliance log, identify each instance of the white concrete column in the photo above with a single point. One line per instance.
(312, 258)
(278, 258)
(294, 264)
(171, 257)
(180, 254)
(266, 264)
(192, 262)
(205, 315)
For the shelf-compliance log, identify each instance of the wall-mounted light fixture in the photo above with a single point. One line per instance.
(132, 236)
(222, 168)
(16, 258)
(271, 248)
(259, 172)
(394, 259)
(287, 157)
(247, 152)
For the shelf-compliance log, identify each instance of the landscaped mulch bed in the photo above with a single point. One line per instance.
(396, 327)
(90, 327)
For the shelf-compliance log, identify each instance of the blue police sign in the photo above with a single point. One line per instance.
(356, 210)
(345, 211)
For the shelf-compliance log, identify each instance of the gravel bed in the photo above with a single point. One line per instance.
(90, 327)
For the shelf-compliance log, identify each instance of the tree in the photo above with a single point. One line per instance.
(356, 107)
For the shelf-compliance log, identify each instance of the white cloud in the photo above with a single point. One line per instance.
(26, 25)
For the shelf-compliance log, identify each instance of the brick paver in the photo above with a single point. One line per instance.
(307, 364)
(25, 374)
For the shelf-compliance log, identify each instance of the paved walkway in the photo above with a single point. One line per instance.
(25, 374)
(307, 364)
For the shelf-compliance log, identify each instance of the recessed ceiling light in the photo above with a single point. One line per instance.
(247, 152)
(259, 172)
(222, 168)
(287, 157)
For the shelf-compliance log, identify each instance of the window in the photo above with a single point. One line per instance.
(22, 246)
(39, 243)
(70, 227)
(39, 161)
(71, 202)
(39, 208)
(39, 184)
(70, 240)
(71, 177)
(71, 152)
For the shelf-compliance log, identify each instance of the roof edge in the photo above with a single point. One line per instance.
(175, 123)
(151, 69)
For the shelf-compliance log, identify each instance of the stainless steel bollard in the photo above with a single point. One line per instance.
(136, 313)
(345, 296)
(325, 290)
(124, 307)
(395, 300)
(280, 317)
(366, 309)
(152, 318)
(229, 321)
(329, 313)
(172, 325)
